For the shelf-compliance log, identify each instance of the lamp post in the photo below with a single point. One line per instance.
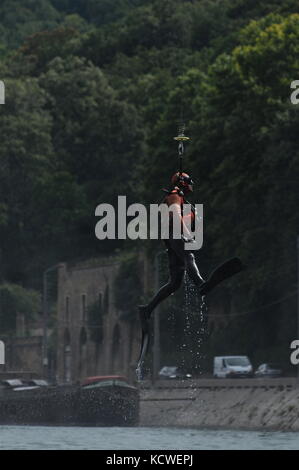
(45, 321)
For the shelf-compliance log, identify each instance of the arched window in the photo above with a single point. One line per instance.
(83, 337)
(96, 321)
(83, 307)
(83, 353)
(106, 300)
(116, 350)
(67, 356)
(67, 309)
(100, 302)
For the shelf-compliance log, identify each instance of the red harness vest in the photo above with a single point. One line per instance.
(189, 218)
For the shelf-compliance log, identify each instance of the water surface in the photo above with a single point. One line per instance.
(141, 438)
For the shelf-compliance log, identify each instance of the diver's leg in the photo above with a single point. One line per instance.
(172, 285)
(176, 271)
(189, 261)
(192, 269)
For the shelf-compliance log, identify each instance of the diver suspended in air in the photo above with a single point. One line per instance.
(181, 260)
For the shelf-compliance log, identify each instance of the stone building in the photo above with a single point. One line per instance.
(93, 338)
(23, 349)
(23, 354)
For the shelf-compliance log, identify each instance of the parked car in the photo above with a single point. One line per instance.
(232, 367)
(268, 370)
(173, 372)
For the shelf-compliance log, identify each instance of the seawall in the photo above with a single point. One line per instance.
(271, 404)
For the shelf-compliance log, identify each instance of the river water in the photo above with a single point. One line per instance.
(141, 438)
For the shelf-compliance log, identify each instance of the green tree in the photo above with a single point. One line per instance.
(24, 155)
(20, 19)
(128, 285)
(14, 299)
(248, 145)
(98, 128)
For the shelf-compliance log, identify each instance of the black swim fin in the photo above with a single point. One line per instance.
(143, 351)
(224, 271)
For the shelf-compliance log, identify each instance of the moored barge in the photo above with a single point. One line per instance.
(98, 401)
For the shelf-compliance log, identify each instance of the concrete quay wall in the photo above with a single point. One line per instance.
(271, 404)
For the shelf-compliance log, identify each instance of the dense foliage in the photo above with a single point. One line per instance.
(94, 89)
(15, 300)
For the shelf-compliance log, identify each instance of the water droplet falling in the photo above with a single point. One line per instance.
(195, 330)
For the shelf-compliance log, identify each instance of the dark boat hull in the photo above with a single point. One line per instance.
(106, 406)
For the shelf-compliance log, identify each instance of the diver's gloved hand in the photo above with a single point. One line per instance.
(187, 240)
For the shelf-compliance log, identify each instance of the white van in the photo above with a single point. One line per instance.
(232, 366)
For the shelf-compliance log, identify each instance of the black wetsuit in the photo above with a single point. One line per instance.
(179, 260)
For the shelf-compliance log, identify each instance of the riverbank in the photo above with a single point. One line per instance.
(271, 404)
